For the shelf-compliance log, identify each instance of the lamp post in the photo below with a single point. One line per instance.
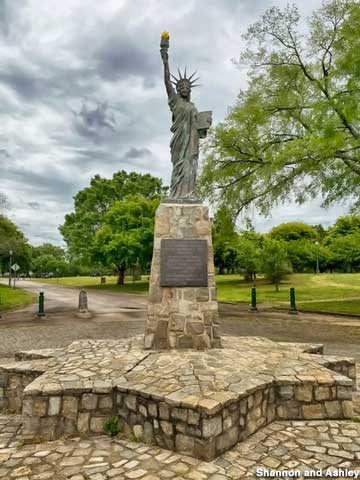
(10, 252)
(317, 257)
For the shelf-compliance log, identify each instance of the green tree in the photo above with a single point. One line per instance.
(343, 241)
(126, 236)
(346, 252)
(295, 130)
(93, 203)
(343, 226)
(224, 239)
(275, 264)
(48, 249)
(300, 239)
(225, 257)
(291, 231)
(248, 256)
(49, 264)
(11, 238)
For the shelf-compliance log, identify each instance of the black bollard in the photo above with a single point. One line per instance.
(41, 312)
(253, 300)
(293, 309)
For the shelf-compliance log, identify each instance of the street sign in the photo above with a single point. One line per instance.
(15, 267)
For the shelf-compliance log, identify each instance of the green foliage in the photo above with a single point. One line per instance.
(48, 249)
(92, 204)
(46, 264)
(291, 231)
(306, 246)
(345, 252)
(11, 238)
(275, 264)
(249, 254)
(14, 298)
(126, 236)
(347, 225)
(111, 426)
(295, 130)
(133, 438)
(224, 241)
(343, 243)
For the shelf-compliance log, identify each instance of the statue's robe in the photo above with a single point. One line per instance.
(184, 147)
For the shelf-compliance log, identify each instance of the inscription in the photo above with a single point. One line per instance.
(183, 263)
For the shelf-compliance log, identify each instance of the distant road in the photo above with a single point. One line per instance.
(61, 299)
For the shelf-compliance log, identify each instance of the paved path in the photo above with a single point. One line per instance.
(119, 315)
(59, 298)
(114, 316)
(292, 446)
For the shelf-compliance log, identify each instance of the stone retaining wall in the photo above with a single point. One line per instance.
(344, 366)
(202, 432)
(12, 385)
(15, 376)
(199, 403)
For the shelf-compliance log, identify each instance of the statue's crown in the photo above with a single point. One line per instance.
(184, 78)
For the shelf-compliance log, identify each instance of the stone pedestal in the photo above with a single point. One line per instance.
(182, 316)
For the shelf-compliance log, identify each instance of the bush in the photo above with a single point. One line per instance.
(111, 426)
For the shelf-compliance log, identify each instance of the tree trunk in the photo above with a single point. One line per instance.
(277, 287)
(121, 275)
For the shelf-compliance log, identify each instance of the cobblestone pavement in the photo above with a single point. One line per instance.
(299, 446)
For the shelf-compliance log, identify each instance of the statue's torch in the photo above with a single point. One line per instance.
(164, 42)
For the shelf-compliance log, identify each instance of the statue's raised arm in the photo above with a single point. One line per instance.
(164, 46)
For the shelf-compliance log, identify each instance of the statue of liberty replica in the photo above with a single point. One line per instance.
(182, 308)
(188, 125)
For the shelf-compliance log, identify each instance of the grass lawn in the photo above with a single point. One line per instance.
(323, 292)
(12, 298)
(344, 306)
(140, 286)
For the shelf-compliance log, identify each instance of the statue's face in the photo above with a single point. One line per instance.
(184, 89)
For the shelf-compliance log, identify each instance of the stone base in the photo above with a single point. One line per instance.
(182, 317)
(84, 314)
(193, 402)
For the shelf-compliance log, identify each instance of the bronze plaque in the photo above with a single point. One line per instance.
(183, 263)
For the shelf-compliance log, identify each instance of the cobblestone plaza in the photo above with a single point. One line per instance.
(316, 389)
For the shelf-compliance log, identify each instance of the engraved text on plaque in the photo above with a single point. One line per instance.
(183, 263)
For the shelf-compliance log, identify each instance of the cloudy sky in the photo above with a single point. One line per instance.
(81, 93)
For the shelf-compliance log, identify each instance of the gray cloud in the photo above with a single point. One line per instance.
(95, 123)
(119, 57)
(137, 152)
(25, 84)
(81, 91)
(4, 153)
(8, 13)
(34, 205)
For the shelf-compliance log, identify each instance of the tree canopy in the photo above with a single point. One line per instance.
(295, 131)
(126, 236)
(291, 231)
(92, 204)
(11, 238)
(48, 249)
